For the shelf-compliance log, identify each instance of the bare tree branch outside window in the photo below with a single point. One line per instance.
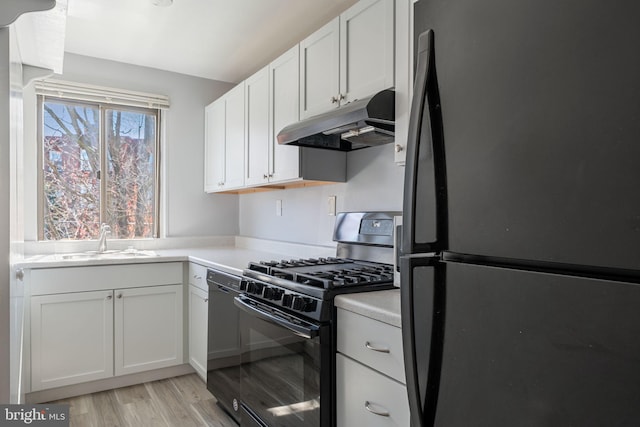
(75, 202)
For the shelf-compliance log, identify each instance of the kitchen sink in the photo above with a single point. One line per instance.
(110, 254)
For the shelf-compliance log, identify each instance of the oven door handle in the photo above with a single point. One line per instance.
(307, 331)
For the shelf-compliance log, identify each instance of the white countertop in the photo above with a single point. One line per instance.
(229, 258)
(383, 306)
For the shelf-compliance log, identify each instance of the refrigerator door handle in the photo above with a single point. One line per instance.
(424, 221)
(422, 316)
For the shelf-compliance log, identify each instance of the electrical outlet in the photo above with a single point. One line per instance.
(278, 207)
(332, 205)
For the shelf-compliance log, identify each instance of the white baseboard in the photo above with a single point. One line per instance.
(106, 384)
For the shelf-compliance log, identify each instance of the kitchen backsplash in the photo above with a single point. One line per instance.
(374, 182)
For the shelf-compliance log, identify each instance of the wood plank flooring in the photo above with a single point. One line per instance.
(181, 401)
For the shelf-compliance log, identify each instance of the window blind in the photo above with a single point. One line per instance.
(100, 94)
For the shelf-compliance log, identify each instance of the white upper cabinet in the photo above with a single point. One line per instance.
(320, 70)
(214, 153)
(366, 49)
(404, 76)
(272, 99)
(257, 143)
(235, 138)
(284, 96)
(350, 58)
(225, 141)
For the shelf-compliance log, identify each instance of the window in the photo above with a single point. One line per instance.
(98, 164)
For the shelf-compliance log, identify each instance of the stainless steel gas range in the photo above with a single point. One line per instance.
(287, 322)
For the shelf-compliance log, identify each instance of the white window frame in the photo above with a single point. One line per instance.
(103, 98)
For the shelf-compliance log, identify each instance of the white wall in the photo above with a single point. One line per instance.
(374, 182)
(189, 210)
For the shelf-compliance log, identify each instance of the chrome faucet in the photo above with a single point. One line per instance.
(105, 230)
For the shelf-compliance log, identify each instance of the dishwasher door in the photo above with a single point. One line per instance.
(223, 342)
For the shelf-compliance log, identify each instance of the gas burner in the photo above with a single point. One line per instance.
(271, 267)
(326, 273)
(350, 276)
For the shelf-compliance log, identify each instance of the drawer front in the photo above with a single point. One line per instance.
(94, 278)
(374, 343)
(198, 276)
(365, 397)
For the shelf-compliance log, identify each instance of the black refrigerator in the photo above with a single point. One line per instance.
(520, 254)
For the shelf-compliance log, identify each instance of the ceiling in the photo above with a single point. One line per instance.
(224, 40)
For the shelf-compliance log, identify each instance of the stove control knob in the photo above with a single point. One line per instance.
(258, 288)
(269, 293)
(310, 305)
(250, 287)
(243, 286)
(298, 303)
(287, 299)
(305, 304)
(277, 294)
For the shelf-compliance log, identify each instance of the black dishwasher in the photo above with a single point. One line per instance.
(223, 341)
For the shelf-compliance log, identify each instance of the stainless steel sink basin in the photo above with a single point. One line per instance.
(110, 254)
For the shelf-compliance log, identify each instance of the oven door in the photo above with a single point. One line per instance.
(286, 368)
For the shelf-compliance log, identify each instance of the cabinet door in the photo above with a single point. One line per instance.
(257, 141)
(214, 152)
(319, 70)
(403, 76)
(366, 49)
(148, 328)
(71, 338)
(235, 138)
(198, 312)
(285, 103)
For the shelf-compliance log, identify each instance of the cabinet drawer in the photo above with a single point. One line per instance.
(94, 278)
(374, 343)
(361, 392)
(198, 276)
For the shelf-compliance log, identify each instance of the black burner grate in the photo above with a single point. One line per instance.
(327, 273)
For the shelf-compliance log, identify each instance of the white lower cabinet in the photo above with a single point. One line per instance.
(198, 311)
(71, 338)
(79, 333)
(198, 319)
(147, 328)
(365, 397)
(370, 385)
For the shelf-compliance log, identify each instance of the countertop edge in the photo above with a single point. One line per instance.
(230, 258)
(383, 306)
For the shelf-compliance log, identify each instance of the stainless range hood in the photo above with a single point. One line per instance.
(358, 124)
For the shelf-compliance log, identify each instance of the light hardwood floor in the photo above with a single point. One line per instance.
(181, 401)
